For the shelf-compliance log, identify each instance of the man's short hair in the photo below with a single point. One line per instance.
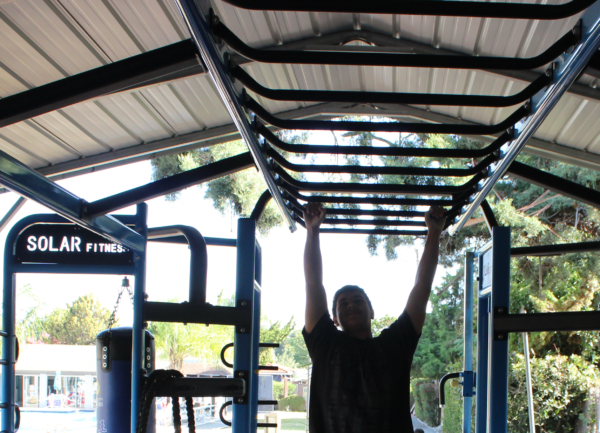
(345, 289)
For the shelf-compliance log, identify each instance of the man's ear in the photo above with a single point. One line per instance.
(372, 314)
(335, 321)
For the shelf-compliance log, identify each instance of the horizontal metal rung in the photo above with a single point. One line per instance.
(526, 11)
(384, 151)
(392, 201)
(547, 322)
(392, 59)
(392, 98)
(341, 187)
(201, 387)
(425, 128)
(381, 170)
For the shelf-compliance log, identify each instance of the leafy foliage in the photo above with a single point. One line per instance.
(425, 392)
(79, 323)
(560, 385)
(279, 389)
(292, 403)
(381, 323)
(237, 192)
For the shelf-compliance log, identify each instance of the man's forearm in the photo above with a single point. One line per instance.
(313, 262)
(316, 299)
(429, 261)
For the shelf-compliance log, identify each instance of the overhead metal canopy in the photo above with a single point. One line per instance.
(130, 111)
(49, 41)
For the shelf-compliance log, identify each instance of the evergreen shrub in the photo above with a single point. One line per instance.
(293, 403)
(426, 397)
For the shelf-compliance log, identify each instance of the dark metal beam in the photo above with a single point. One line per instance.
(223, 134)
(97, 82)
(423, 7)
(261, 205)
(24, 181)
(169, 185)
(554, 183)
(385, 59)
(488, 216)
(555, 250)
(201, 387)
(547, 322)
(429, 128)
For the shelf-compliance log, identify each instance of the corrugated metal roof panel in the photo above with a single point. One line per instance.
(47, 40)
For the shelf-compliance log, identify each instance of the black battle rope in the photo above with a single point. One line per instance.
(157, 378)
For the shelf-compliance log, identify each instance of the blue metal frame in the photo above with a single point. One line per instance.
(247, 295)
(198, 28)
(567, 69)
(12, 267)
(492, 348)
(468, 342)
(19, 178)
(139, 291)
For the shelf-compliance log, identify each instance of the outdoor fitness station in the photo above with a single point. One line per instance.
(93, 85)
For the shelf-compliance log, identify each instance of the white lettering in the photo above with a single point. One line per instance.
(31, 241)
(43, 243)
(88, 247)
(107, 248)
(101, 248)
(51, 243)
(75, 243)
(119, 249)
(64, 245)
(95, 247)
(113, 248)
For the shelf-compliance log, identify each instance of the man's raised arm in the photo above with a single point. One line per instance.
(316, 299)
(419, 296)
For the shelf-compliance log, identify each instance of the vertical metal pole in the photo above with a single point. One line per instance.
(139, 290)
(498, 344)
(243, 361)
(8, 346)
(482, 359)
(529, 384)
(468, 341)
(256, 336)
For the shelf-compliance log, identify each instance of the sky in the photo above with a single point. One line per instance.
(346, 259)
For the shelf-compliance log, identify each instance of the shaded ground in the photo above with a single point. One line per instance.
(85, 422)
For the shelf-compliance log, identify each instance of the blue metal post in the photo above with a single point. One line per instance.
(8, 346)
(468, 343)
(245, 353)
(498, 344)
(483, 303)
(256, 336)
(137, 360)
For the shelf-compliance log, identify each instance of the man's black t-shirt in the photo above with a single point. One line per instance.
(361, 386)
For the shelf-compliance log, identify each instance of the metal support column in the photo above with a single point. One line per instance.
(468, 342)
(8, 346)
(246, 340)
(483, 309)
(498, 342)
(137, 360)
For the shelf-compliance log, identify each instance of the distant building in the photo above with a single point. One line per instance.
(56, 375)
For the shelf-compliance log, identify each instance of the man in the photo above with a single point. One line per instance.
(361, 384)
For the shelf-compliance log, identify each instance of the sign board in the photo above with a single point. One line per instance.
(487, 269)
(68, 244)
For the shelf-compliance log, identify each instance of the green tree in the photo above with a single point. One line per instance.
(293, 351)
(381, 323)
(273, 333)
(79, 323)
(237, 192)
